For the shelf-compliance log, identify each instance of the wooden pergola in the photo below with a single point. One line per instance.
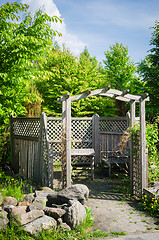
(112, 93)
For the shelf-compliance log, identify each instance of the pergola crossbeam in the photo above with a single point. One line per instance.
(91, 93)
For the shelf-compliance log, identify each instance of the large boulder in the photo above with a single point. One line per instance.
(9, 201)
(54, 212)
(29, 198)
(42, 193)
(3, 220)
(75, 213)
(79, 192)
(39, 203)
(27, 217)
(39, 224)
(18, 210)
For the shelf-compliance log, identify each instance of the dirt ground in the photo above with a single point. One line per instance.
(113, 209)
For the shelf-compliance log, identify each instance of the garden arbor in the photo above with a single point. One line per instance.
(119, 95)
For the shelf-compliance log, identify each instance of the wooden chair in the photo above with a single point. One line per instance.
(117, 158)
(88, 153)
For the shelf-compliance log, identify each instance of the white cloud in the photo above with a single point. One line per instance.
(72, 42)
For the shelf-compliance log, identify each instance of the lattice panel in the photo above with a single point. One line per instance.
(44, 148)
(136, 169)
(113, 125)
(81, 133)
(54, 128)
(26, 127)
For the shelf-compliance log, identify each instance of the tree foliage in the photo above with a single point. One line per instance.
(149, 71)
(74, 75)
(120, 71)
(24, 46)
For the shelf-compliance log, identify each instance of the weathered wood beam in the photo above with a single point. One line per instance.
(145, 96)
(143, 158)
(132, 122)
(123, 99)
(91, 93)
(124, 92)
(132, 97)
(63, 98)
(116, 94)
(68, 142)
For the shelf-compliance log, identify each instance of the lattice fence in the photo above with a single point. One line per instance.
(81, 129)
(36, 144)
(136, 166)
(113, 124)
(26, 127)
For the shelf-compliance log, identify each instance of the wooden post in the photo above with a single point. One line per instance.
(12, 143)
(50, 158)
(63, 144)
(96, 137)
(68, 142)
(132, 121)
(38, 167)
(143, 163)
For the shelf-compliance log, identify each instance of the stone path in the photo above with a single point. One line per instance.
(114, 211)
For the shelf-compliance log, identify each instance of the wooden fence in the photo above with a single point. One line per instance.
(36, 142)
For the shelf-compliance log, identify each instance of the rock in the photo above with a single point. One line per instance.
(40, 203)
(18, 211)
(8, 208)
(9, 201)
(31, 207)
(3, 220)
(53, 199)
(57, 206)
(26, 203)
(75, 213)
(29, 197)
(84, 190)
(28, 217)
(46, 189)
(42, 193)
(37, 225)
(79, 192)
(64, 226)
(54, 212)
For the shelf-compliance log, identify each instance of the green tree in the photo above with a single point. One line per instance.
(120, 71)
(24, 45)
(74, 75)
(149, 71)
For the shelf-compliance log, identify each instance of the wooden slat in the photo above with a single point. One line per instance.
(82, 152)
(26, 138)
(110, 133)
(113, 118)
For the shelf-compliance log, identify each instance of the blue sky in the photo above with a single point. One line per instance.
(98, 24)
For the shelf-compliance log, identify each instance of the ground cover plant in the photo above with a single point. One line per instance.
(149, 205)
